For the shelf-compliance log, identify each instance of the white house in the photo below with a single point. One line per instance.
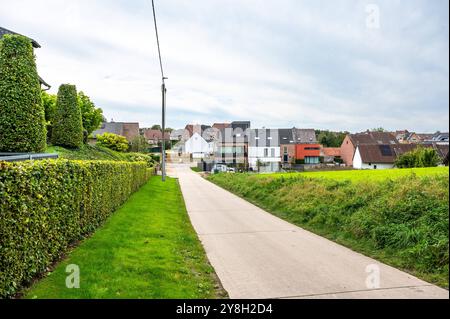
(198, 147)
(379, 156)
(264, 147)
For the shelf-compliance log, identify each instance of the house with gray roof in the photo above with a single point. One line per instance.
(264, 150)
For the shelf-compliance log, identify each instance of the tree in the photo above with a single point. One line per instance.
(330, 139)
(22, 120)
(49, 103)
(113, 141)
(67, 125)
(378, 129)
(139, 144)
(156, 127)
(419, 157)
(91, 116)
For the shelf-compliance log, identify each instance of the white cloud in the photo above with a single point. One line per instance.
(285, 63)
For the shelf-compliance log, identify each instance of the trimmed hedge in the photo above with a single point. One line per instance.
(22, 121)
(48, 205)
(67, 124)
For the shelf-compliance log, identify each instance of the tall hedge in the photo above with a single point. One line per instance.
(47, 205)
(22, 122)
(67, 124)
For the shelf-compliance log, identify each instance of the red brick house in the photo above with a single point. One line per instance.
(351, 141)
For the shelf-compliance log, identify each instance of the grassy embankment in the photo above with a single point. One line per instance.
(399, 217)
(147, 249)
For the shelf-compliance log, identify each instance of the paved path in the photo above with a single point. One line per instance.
(257, 255)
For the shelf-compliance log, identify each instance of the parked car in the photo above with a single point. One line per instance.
(219, 168)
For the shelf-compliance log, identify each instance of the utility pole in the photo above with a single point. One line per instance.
(163, 91)
(163, 147)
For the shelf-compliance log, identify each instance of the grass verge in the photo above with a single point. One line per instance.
(147, 249)
(401, 221)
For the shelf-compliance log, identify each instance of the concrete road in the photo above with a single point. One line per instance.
(257, 255)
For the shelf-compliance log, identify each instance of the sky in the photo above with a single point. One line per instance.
(340, 65)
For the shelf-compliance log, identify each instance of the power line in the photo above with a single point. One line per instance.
(163, 91)
(157, 40)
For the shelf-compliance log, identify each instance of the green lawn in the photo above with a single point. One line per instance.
(147, 249)
(394, 216)
(361, 175)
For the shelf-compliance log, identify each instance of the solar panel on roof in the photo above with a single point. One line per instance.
(385, 150)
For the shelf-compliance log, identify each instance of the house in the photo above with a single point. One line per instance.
(287, 146)
(307, 150)
(379, 156)
(264, 150)
(440, 138)
(298, 145)
(232, 146)
(154, 137)
(35, 45)
(198, 147)
(128, 130)
(330, 154)
(351, 141)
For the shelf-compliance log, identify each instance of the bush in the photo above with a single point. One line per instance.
(49, 103)
(22, 123)
(419, 157)
(91, 116)
(67, 123)
(48, 205)
(113, 141)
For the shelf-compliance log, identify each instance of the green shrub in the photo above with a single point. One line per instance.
(49, 103)
(113, 141)
(67, 124)
(22, 123)
(47, 205)
(139, 144)
(419, 157)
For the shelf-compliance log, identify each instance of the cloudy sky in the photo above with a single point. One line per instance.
(341, 65)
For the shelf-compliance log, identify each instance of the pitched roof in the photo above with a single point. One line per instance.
(304, 136)
(221, 126)
(264, 138)
(383, 153)
(367, 138)
(332, 151)
(155, 135)
(286, 136)
(4, 31)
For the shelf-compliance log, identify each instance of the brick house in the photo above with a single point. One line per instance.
(351, 141)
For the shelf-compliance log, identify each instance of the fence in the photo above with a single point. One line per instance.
(17, 157)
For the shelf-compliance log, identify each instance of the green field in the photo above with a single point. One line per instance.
(147, 249)
(360, 175)
(399, 217)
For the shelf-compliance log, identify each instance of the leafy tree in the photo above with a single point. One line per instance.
(49, 103)
(113, 141)
(419, 157)
(67, 125)
(22, 120)
(91, 116)
(156, 127)
(330, 139)
(378, 129)
(169, 130)
(139, 144)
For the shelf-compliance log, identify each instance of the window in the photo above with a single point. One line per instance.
(266, 152)
(285, 150)
(312, 148)
(312, 160)
(272, 152)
